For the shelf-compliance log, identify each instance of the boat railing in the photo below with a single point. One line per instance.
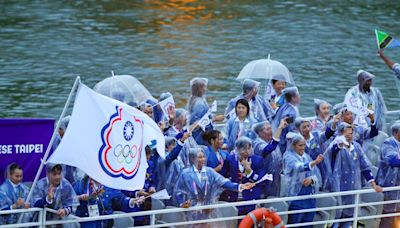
(365, 212)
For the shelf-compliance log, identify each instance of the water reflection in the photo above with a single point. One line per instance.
(43, 46)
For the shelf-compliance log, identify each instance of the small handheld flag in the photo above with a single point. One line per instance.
(267, 176)
(213, 107)
(384, 40)
(165, 104)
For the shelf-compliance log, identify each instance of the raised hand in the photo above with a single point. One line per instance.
(307, 182)
(319, 159)
(246, 164)
(283, 124)
(171, 112)
(187, 204)
(185, 136)
(50, 194)
(218, 168)
(371, 117)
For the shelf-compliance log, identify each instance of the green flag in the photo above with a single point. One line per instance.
(384, 40)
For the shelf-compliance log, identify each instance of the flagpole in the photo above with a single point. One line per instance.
(76, 83)
(376, 36)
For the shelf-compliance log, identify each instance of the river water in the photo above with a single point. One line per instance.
(45, 44)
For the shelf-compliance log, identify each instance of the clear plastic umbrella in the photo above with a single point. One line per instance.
(125, 88)
(266, 69)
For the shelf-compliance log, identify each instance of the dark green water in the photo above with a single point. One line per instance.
(45, 44)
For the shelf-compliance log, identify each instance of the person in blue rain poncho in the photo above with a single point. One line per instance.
(241, 167)
(322, 115)
(147, 109)
(55, 192)
(4, 205)
(197, 107)
(346, 162)
(368, 97)
(273, 92)
(15, 193)
(180, 121)
(150, 184)
(302, 177)
(201, 185)
(389, 172)
(289, 111)
(215, 156)
(314, 141)
(260, 109)
(96, 199)
(172, 149)
(266, 146)
(241, 124)
(360, 133)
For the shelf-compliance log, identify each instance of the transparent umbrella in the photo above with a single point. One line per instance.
(125, 88)
(266, 69)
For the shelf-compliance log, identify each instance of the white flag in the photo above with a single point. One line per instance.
(265, 177)
(354, 104)
(204, 121)
(163, 194)
(106, 139)
(165, 104)
(213, 107)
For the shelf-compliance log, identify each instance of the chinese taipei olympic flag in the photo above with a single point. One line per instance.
(106, 139)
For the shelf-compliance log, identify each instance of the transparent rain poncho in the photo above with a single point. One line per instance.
(260, 110)
(319, 124)
(344, 169)
(64, 194)
(11, 196)
(203, 191)
(372, 100)
(197, 104)
(296, 168)
(287, 110)
(272, 163)
(389, 169)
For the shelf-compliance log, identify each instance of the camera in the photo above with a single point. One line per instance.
(289, 119)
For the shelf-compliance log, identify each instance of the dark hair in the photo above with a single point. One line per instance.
(147, 149)
(289, 96)
(274, 81)
(245, 103)
(214, 134)
(12, 167)
(56, 168)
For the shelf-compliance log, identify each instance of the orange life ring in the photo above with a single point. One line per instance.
(262, 214)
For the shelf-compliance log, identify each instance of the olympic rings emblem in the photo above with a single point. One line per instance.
(122, 144)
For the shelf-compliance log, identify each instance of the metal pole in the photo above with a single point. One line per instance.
(76, 83)
(43, 214)
(356, 203)
(153, 220)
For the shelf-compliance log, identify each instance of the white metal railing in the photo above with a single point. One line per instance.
(42, 222)
(20, 212)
